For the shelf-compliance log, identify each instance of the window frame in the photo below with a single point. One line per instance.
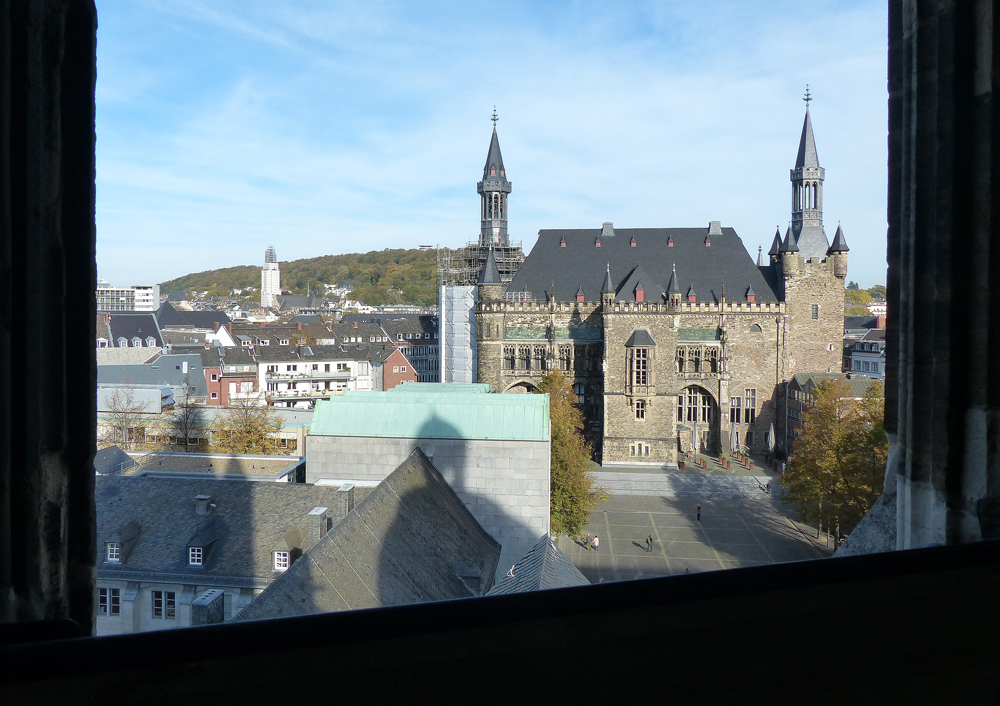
(113, 552)
(163, 604)
(196, 556)
(281, 560)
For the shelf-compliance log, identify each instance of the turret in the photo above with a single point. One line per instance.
(493, 191)
(789, 254)
(607, 289)
(838, 251)
(673, 289)
(489, 282)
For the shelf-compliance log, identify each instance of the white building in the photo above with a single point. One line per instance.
(140, 297)
(270, 279)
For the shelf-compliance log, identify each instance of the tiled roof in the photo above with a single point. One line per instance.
(411, 540)
(581, 264)
(126, 356)
(168, 316)
(167, 370)
(542, 568)
(129, 326)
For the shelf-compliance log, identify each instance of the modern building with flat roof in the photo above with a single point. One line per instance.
(494, 450)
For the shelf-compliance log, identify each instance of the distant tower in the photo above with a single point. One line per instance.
(493, 191)
(807, 194)
(270, 279)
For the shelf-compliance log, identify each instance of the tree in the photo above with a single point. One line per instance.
(572, 494)
(124, 416)
(858, 296)
(878, 291)
(856, 311)
(247, 426)
(852, 285)
(838, 468)
(187, 417)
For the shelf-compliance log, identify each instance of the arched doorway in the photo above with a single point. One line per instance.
(521, 388)
(698, 416)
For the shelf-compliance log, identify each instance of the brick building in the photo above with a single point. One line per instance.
(672, 335)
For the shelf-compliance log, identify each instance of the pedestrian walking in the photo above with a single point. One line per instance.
(586, 542)
(597, 543)
(769, 487)
(699, 513)
(649, 543)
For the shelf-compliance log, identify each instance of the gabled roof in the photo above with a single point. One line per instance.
(291, 302)
(807, 156)
(581, 264)
(411, 540)
(167, 316)
(249, 520)
(542, 568)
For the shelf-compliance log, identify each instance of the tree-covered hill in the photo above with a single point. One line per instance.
(378, 277)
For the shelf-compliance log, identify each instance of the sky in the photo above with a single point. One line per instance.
(331, 127)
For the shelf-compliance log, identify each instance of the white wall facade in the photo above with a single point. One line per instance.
(504, 483)
(270, 284)
(458, 333)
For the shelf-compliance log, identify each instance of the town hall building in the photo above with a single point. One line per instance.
(675, 339)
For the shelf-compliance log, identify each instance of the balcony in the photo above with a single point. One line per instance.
(272, 376)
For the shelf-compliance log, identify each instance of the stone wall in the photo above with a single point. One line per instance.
(813, 346)
(505, 484)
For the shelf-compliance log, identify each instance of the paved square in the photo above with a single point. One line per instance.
(733, 532)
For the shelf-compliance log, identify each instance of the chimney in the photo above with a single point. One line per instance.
(355, 324)
(218, 325)
(229, 327)
(203, 504)
(299, 324)
(880, 322)
(329, 326)
(209, 607)
(317, 524)
(345, 499)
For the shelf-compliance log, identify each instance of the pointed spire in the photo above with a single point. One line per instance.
(579, 292)
(807, 156)
(760, 256)
(670, 241)
(490, 274)
(672, 287)
(494, 171)
(607, 287)
(776, 245)
(839, 241)
(789, 245)
(691, 292)
(750, 292)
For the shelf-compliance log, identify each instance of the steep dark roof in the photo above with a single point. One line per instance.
(304, 319)
(672, 286)
(167, 316)
(489, 274)
(581, 264)
(607, 287)
(839, 241)
(810, 241)
(542, 568)
(776, 243)
(807, 156)
(411, 540)
(291, 302)
(640, 338)
(417, 326)
(860, 322)
(132, 325)
(249, 521)
(789, 244)
(494, 159)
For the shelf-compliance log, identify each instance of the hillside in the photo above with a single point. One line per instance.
(378, 277)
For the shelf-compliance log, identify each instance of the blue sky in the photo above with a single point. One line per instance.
(324, 128)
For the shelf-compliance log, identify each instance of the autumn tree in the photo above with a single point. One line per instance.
(247, 426)
(124, 415)
(187, 418)
(838, 469)
(572, 495)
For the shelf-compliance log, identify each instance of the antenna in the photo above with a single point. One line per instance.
(808, 97)
(494, 116)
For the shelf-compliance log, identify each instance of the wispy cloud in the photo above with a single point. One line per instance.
(325, 129)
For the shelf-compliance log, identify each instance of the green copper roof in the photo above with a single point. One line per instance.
(446, 387)
(443, 414)
(697, 334)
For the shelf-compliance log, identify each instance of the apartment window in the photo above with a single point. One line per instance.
(395, 368)
(272, 368)
(215, 377)
(283, 342)
(864, 366)
(638, 449)
(109, 601)
(315, 366)
(815, 312)
(857, 365)
(215, 395)
(735, 405)
(427, 336)
(326, 367)
(874, 367)
(114, 552)
(291, 368)
(342, 368)
(164, 605)
(371, 339)
(399, 337)
(640, 409)
(409, 336)
(195, 556)
(402, 368)
(750, 406)
(280, 561)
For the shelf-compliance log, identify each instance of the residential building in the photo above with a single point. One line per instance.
(878, 307)
(411, 540)
(141, 297)
(297, 376)
(270, 279)
(162, 543)
(867, 355)
(135, 330)
(397, 370)
(674, 337)
(798, 395)
(492, 449)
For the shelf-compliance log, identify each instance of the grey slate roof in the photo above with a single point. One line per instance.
(807, 156)
(494, 159)
(132, 325)
(112, 460)
(776, 243)
(291, 302)
(810, 241)
(168, 316)
(542, 568)
(640, 338)
(489, 274)
(860, 322)
(582, 264)
(411, 540)
(249, 522)
(672, 286)
(607, 287)
(839, 241)
(789, 244)
(416, 326)
(165, 371)
(304, 319)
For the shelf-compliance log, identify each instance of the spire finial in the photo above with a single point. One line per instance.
(494, 116)
(807, 97)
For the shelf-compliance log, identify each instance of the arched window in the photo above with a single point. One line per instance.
(756, 329)
(712, 360)
(815, 195)
(679, 360)
(509, 360)
(524, 358)
(695, 355)
(565, 358)
(540, 358)
(694, 404)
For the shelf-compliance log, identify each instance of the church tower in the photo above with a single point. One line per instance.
(811, 271)
(270, 279)
(493, 192)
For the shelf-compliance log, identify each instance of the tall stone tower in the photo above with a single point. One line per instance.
(270, 279)
(489, 323)
(812, 271)
(493, 191)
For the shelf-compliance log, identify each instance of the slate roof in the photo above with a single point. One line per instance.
(489, 274)
(377, 353)
(291, 302)
(411, 540)
(155, 519)
(127, 356)
(420, 326)
(857, 385)
(860, 322)
(494, 159)
(168, 316)
(810, 241)
(459, 414)
(132, 325)
(839, 241)
(305, 319)
(165, 371)
(581, 264)
(542, 568)
(112, 460)
(640, 338)
(807, 156)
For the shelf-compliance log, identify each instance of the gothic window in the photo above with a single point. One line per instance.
(694, 405)
(696, 359)
(524, 358)
(539, 358)
(565, 358)
(493, 171)
(640, 409)
(712, 359)
(579, 390)
(679, 360)
(735, 405)
(750, 406)
(509, 360)
(579, 358)
(638, 366)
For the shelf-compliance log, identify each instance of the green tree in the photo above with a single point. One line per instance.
(858, 296)
(837, 471)
(572, 492)
(247, 426)
(856, 311)
(852, 285)
(878, 291)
